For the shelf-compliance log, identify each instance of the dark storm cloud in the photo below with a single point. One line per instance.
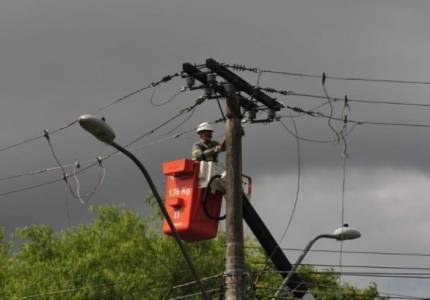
(60, 59)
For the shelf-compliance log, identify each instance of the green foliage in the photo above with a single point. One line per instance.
(120, 256)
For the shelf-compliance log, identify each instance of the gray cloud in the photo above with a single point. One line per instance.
(60, 59)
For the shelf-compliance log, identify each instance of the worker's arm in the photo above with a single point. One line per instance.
(222, 146)
(198, 154)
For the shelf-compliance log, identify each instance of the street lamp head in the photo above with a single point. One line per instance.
(346, 233)
(97, 127)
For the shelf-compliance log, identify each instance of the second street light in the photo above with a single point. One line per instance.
(103, 132)
(340, 234)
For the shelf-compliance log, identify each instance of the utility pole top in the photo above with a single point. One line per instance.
(195, 73)
(242, 85)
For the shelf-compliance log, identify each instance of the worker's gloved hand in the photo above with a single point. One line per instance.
(218, 149)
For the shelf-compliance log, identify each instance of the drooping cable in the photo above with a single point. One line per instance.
(101, 176)
(296, 200)
(329, 101)
(138, 91)
(63, 170)
(303, 138)
(170, 99)
(150, 132)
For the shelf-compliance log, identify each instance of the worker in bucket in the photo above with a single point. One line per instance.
(206, 149)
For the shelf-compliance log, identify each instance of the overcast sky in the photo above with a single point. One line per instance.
(60, 59)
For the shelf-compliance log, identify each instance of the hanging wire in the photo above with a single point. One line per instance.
(302, 138)
(170, 99)
(94, 163)
(296, 200)
(84, 199)
(323, 80)
(63, 170)
(138, 91)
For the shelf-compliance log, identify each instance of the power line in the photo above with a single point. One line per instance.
(341, 293)
(310, 264)
(355, 252)
(95, 162)
(211, 291)
(319, 114)
(153, 84)
(336, 99)
(55, 168)
(344, 78)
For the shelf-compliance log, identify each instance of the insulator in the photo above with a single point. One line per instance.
(190, 82)
(208, 92)
(271, 114)
(252, 114)
(211, 78)
(238, 67)
(229, 88)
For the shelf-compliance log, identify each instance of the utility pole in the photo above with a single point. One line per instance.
(236, 206)
(234, 264)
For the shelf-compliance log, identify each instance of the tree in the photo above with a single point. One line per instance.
(121, 256)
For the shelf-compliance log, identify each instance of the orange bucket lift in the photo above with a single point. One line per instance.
(194, 192)
(185, 187)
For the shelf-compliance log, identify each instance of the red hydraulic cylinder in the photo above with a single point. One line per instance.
(184, 202)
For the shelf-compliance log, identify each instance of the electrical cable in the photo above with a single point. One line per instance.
(138, 91)
(194, 282)
(355, 252)
(102, 173)
(331, 109)
(310, 264)
(296, 200)
(319, 114)
(93, 162)
(220, 109)
(364, 79)
(211, 291)
(206, 198)
(183, 121)
(63, 170)
(170, 99)
(66, 202)
(302, 138)
(335, 99)
(381, 295)
(52, 132)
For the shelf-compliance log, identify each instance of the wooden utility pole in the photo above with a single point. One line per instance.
(234, 265)
(236, 206)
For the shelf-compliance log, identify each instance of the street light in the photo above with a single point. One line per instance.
(340, 234)
(103, 132)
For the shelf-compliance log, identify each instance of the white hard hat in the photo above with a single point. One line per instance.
(204, 126)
